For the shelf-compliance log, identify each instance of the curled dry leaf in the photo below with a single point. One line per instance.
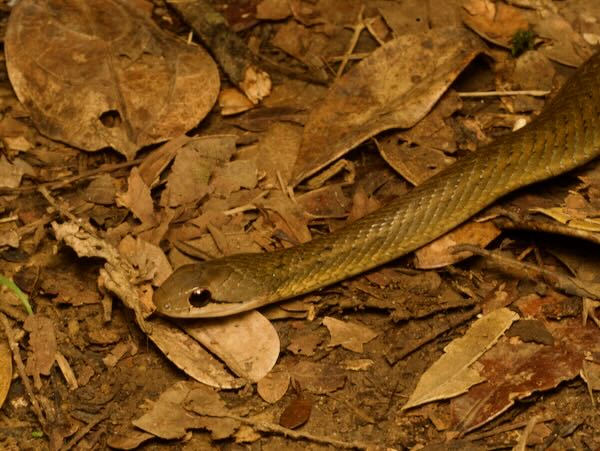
(383, 91)
(99, 73)
(10, 174)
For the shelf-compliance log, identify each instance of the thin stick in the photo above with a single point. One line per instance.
(533, 92)
(14, 347)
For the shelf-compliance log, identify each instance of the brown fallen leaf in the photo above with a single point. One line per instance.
(383, 92)
(247, 343)
(195, 162)
(6, 370)
(123, 82)
(191, 357)
(273, 386)
(438, 253)
(415, 163)
(10, 174)
(305, 343)
(148, 258)
(296, 413)
(348, 335)
(126, 436)
(327, 202)
(137, 199)
(170, 419)
(273, 10)
(513, 370)
(495, 21)
(318, 378)
(42, 343)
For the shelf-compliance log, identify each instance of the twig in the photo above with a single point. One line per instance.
(14, 347)
(522, 444)
(511, 220)
(358, 28)
(263, 426)
(234, 57)
(568, 284)
(65, 181)
(392, 358)
(472, 437)
(64, 211)
(87, 428)
(532, 92)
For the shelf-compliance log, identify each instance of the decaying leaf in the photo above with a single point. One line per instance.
(99, 73)
(383, 92)
(514, 370)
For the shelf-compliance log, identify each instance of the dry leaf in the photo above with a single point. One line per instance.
(383, 92)
(273, 386)
(350, 336)
(42, 343)
(495, 21)
(147, 258)
(452, 374)
(193, 166)
(296, 413)
(186, 353)
(247, 343)
(438, 253)
(10, 174)
(99, 73)
(318, 378)
(169, 419)
(5, 370)
(137, 199)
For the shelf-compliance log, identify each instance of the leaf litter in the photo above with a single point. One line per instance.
(227, 190)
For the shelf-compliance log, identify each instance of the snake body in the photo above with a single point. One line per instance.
(564, 136)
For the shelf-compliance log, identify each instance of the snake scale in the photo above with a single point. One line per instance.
(564, 136)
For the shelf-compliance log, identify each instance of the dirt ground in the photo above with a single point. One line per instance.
(128, 152)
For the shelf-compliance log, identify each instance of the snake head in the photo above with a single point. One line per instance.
(204, 290)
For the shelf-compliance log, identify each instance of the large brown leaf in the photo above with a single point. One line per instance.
(386, 90)
(98, 73)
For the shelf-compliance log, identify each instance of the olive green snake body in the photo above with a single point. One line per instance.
(564, 136)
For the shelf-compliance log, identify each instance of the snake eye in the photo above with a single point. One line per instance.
(199, 298)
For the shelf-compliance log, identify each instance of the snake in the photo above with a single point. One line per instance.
(564, 136)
